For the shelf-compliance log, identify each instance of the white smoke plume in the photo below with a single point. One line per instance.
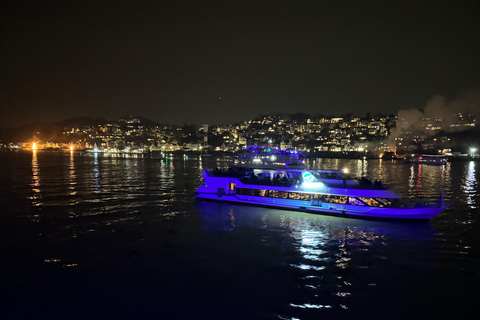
(438, 107)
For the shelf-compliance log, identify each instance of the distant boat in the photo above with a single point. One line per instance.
(436, 160)
(270, 158)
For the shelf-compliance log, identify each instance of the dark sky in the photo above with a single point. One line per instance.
(171, 62)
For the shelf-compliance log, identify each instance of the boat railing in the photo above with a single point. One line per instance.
(249, 177)
(228, 173)
(266, 182)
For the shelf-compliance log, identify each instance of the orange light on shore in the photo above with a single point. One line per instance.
(34, 146)
(71, 148)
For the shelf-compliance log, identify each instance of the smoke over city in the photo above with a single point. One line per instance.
(439, 111)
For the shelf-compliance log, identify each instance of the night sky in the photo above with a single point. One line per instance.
(221, 62)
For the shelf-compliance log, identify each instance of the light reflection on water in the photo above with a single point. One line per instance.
(35, 184)
(418, 182)
(36, 196)
(72, 182)
(86, 206)
(96, 176)
(470, 185)
(72, 176)
(92, 184)
(334, 256)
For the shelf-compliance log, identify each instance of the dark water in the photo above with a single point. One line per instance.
(92, 237)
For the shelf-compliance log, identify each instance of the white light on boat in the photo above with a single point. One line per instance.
(307, 176)
(309, 184)
(257, 160)
(273, 158)
(345, 170)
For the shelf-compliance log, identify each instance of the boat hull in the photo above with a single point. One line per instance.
(424, 213)
(304, 198)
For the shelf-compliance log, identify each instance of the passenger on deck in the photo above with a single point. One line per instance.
(365, 182)
(276, 179)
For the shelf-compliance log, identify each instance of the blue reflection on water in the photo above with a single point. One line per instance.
(285, 264)
(222, 217)
(330, 258)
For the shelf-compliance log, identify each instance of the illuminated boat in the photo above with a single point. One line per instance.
(315, 191)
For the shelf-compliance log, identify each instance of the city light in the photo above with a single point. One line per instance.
(473, 151)
(34, 146)
(351, 136)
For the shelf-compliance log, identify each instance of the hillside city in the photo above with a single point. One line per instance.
(373, 135)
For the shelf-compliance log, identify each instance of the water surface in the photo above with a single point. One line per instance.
(88, 236)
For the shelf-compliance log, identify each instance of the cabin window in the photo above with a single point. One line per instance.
(342, 199)
(299, 196)
(336, 199)
(305, 196)
(277, 194)
(247, 192)
(372, 202)
(283, 194)
(295, 195)
(355, 201)
(273, 194)
(386, 202)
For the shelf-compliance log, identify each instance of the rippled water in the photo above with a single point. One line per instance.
(85, 236)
